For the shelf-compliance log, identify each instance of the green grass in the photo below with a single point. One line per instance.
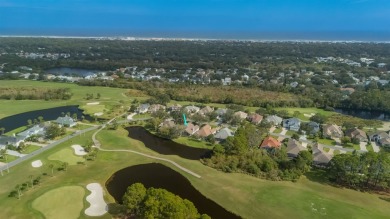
(30, 148)
(326, 141)
(10, 158)
(66, 155)
(194, 142)
(354, 146)
(142, 116)
(236, 192)
(277, 130)
(290, 133)
(109, 100)
(62, 203)
(326, 149)
(336, 152)
(16, 131)
(303, 111)
(91, 109)
(369, 148)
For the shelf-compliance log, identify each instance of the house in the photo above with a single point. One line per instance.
(294, 147)
(10, 140)
(274, 120)
(156, 107)
(292, 124)
(191, 129)
(221, 111)
(205, 110)
(384, 142)
(313, 128)
(381, 65)
(332, 131)
(270, 142)
(379, 137)
(241, 115)
(168, 123)
(255, 118)
(205, 131)
(320, 157)
(65, 121)
(223, 134)
(175, 107)
(192, 109)
(35, 130)
(143, 108)
(356, 133)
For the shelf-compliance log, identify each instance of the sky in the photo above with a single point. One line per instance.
(118, 17)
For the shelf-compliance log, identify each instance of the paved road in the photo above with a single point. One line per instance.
(35, 153)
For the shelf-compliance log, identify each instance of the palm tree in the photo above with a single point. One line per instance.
(65, 165)
(51, 166)
(31, 180)
(19, 190)
(2, 129)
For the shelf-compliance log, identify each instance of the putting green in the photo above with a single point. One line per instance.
(64, 202)
(66, 155)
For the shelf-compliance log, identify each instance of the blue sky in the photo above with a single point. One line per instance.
(119, 16)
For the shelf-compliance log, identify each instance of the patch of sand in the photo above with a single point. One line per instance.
(309, 115)
(78, 150)
(36, 164)
(2, 164)
(98, 205)
(98, 114)
(93, 103)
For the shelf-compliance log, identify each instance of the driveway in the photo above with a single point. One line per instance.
(363, 146)
(284, 131)
(15, 153)
(272, 129)
(375, 147)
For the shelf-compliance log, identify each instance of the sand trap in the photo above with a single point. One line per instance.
(93, 103)
(98, 205)
(78, 150)
(130, 117)
(98, 114)
(36, 164)
(309, 115)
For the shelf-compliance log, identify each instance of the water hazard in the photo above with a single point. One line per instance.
(159, 176)
(166, 146)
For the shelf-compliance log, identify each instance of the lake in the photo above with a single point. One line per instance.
(160, 176)
(15, 121)
(71, 71)
(365, 114)
(166, 146)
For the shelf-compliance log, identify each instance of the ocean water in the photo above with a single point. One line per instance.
(369, 36)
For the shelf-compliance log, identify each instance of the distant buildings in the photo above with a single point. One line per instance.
(66, 121)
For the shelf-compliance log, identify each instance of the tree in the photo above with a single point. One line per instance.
(29, 122)
(296, 114)
(295, 136)
(54, 131)
(98, 96)
(31, 177)
(65, 166)
(133, 197)
(40, 119)
(2, 129)
(51, 166)
(345, 140)
(318, 118)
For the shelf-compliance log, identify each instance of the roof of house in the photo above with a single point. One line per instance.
(156, 107)
(224, 133)
(270, 142)
(206, 110)
(241, 114)
(144, 106)
(221, 111)
(36, 129)
(291, 122)
(6, 140)
(274, 119)
(331, 129)
(294, 147)
(191, 128)
(320, 156)
(205, 131)
(192, 108)
(355, 133)
(168, 123)
(255, 118)
(66, 120)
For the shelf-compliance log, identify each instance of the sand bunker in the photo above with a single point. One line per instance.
(36, 164)
(98, 114)
(98, 205)
(78, 150)
(309, 115)
(93, 103)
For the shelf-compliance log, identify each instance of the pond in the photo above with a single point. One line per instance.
(15, 121)
(159, 176)
(71, 71)
(166, 146)
(365, 114)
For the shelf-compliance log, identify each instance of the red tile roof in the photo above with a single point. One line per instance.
(270, 142)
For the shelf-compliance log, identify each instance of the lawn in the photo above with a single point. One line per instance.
(142, 116)
(16, 131)
(10, 158)
(109, 99)
(308, 111)
(194, 142)
(66, 155)
(245, 195)
(61, 203)
(30, 148)
(369, 148)
(326, 141)
(354, 146)
(277, 130)
(336, 152)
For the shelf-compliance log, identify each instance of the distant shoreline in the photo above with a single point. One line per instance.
(131, 38)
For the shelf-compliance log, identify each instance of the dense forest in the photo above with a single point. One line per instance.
(13, 93)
